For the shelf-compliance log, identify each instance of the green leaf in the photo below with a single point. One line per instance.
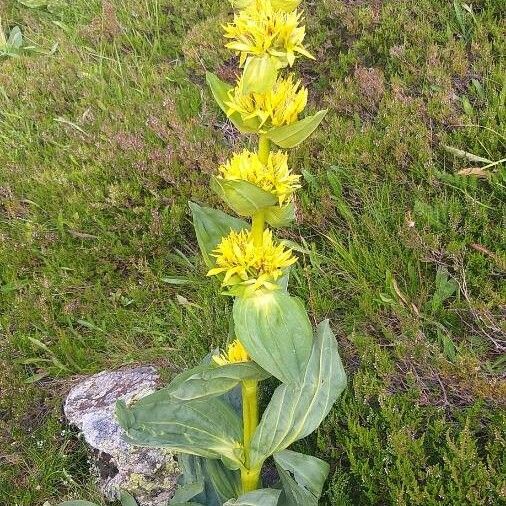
(186, 492)
(34, 4)
(289, 136)
(297, 409)
(15, 38)
(187, 504)
(260, 74)
(261, 497)
(210, 226)
(465, 154)
(211, 380)
(275, 330)
(177, 280)
(126, 499)
(192, 469)
(220, 90)
(302, 477)
(208, 428)
(243, 197)
(219, 483)
(280, 217)
(226, 483)
(77, 503)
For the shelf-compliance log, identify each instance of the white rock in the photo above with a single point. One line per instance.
(148, 474)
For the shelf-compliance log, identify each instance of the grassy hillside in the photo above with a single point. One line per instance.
(108, 129)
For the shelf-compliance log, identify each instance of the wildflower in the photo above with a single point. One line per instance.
(248, 265)
(260, 29)
(277, 107)
(235, 353)
(275, 177)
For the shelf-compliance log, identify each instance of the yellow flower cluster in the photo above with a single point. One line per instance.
(277, 107)
(244, 263)
(260, 29)
(275, 177)
(235, 353)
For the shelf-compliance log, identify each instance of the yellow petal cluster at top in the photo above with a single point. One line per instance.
(234, 354)
(248, 264)
(277, 107)
(274, 177)
(260, 29)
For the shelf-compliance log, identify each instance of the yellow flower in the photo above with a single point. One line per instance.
(260, 29)
(279, 106)
(245, 264)
(235, 353)
(275, 177)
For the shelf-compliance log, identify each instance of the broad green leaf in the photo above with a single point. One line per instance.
(260, 74)
(211, 380)
(77, 503)
(211, 225)
(34, 4)
(192, 471)
(297, 409)
(15, 38)
(208, 428)
(302, 477)
(126, 499)
(261, 497)
(186, 492)
(220, 90)
(226, 483)
(276, 331)
(280, 216)
(217, 483)
(243, 197)
(289, 136)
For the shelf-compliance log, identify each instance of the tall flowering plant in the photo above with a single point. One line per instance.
(210, 414)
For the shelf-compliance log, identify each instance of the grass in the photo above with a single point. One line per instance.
(103, 140)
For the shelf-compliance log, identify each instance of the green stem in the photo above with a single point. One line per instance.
(257, 228)
(264, 148)
(250, 478)
(258, 219)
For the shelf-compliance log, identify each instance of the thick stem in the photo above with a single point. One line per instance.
(257, 228)
(264, 147)
(250, 478)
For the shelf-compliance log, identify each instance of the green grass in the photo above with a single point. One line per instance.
(104, 141)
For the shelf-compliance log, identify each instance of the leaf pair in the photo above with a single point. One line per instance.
(188, 416)
(204, 481)
(276, 331)
(287, 136)
(297, 408)
(246, 199)
(209, 483)
(205, 427)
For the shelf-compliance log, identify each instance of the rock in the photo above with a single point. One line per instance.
(150, 475)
